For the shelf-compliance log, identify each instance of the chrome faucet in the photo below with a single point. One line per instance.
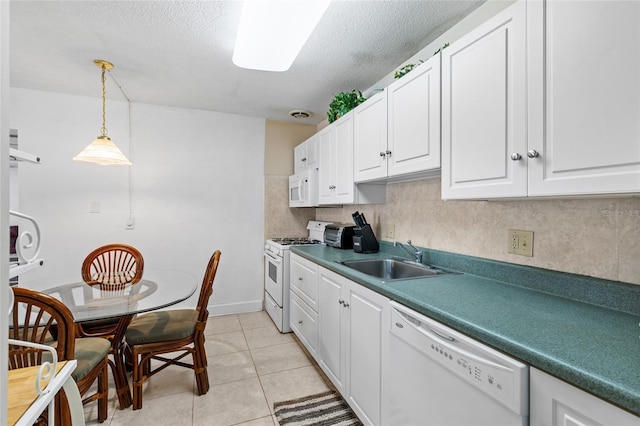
(417, 254)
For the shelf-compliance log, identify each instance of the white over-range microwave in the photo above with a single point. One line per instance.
(303, 188)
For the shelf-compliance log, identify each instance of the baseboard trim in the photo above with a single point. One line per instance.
(235, 308)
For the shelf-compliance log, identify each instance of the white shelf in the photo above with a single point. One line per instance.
(15, 269)
(17, 155)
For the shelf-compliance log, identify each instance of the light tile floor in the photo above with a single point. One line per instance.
(251, 366)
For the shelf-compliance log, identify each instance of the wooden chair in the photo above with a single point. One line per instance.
(112, 266)
(162, 332)
(40, 318)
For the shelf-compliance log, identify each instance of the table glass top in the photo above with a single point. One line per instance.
(157, 289)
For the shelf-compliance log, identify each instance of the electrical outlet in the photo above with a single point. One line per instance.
(131, 223)
(520, 242)
(388, 231)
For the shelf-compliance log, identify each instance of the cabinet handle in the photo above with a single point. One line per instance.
(300, 322)
(532, 153)
(303, 159)
(515, 156)
(300, 279)
(341, 302)
(382, 154)
(345, 304)
(332, 187)
(388, 153)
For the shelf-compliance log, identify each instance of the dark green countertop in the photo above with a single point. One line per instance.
(588, 339)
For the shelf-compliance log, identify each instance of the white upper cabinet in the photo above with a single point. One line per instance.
(413, 113)
(397, 132)
(336, 162)
(370, 139)
(584, 97)
(549, 108)
(305, 155)
(336, 167)
(484, 110)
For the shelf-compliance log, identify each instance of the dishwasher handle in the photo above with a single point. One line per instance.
(446, 341)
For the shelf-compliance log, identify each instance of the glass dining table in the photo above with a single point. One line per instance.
(158, 289)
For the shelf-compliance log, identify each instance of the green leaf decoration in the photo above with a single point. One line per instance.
(344, 102)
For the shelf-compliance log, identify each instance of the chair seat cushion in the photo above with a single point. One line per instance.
(162, 326)
(89, 352)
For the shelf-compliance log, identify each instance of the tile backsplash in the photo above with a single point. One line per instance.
(597, 237)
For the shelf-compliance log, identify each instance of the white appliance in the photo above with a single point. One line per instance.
(303, 189)
(442, 377)
(276, 273)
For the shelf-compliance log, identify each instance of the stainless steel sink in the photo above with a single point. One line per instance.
(393, 269)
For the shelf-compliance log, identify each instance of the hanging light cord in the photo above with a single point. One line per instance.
(130, 139)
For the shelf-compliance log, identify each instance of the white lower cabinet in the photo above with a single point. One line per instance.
(351, 341)
(557, 403)
(303, 301)
(304, 323)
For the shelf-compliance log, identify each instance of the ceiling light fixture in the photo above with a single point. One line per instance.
(272, 33)
(102, 150)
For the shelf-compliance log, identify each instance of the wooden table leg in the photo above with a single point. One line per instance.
(117, 365)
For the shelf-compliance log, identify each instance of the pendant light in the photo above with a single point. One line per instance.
(102, 150)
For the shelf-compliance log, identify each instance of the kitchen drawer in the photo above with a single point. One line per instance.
(304, 323)
(304, 280)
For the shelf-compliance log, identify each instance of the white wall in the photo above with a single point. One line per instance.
(197, 184)
(4, 199)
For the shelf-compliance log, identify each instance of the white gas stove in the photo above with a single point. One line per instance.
(276, 272)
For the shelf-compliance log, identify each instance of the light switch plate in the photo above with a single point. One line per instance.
(520, 242)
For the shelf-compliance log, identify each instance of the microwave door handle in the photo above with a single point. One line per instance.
(300, 189)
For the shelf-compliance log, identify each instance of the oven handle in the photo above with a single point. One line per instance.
(275, 259)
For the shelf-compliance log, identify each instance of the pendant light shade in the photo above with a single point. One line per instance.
(102, 150)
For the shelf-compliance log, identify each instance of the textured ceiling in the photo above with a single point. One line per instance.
(178, 53)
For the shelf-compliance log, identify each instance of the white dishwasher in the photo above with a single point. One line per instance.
(438, 376)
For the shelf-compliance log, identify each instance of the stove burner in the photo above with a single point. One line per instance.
(293, 241)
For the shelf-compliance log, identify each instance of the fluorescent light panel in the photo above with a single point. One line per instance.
(272, 33)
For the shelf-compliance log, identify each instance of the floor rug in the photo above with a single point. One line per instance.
(323, 409)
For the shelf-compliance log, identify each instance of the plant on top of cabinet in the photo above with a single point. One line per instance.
(405, 70)
(344, 102)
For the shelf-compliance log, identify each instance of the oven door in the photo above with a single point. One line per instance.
(273, 276)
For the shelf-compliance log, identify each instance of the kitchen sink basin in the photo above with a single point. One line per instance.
(393, 269)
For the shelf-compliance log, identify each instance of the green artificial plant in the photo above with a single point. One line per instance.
(344, 102)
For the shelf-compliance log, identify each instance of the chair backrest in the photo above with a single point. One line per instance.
(39, 318)
(207, 287)
(112, 266)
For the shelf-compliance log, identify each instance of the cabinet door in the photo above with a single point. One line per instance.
(326, 165)
(304, 279)
(370, 139)
(556, 403)
(484, 110)
(584, 94)
(343, 160)
(414, 120)
(304, 323)
(299, 157)
(332, 327)
(312, 151)
(368, 315)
